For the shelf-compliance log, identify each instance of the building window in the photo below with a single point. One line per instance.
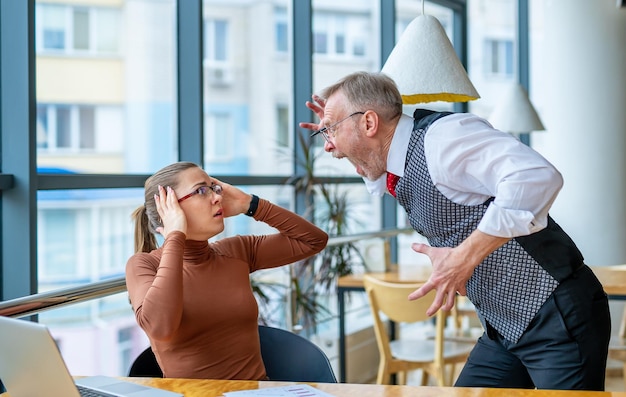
(216, 40)
(340, 35)
(52, 25)
(282, 34)
(282, 116)
(218, 141)
(498, 58)
(57, 235)
(66, 127)
(77, 30)
(79, 128)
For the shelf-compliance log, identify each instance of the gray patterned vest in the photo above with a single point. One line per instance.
(509, 287)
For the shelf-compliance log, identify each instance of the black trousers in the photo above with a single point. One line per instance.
(565, 347)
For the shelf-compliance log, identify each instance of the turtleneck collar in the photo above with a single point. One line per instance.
(195, 250)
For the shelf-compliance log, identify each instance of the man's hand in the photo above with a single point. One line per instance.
(317, 106)
(453, 267)
(449, 276)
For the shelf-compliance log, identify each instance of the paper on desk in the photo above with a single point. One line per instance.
(281, 391)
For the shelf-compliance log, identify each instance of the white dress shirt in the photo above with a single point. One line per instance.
(469, 161)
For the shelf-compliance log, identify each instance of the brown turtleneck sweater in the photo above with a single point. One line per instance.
(194, 301)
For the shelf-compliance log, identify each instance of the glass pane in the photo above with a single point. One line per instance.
(492, 48)
(51, 26)
(108, 31)
(340, 31)
(99, 337)
(87, 127)
(81, 29)
(247, 87)
(84, 235)
(114, 112)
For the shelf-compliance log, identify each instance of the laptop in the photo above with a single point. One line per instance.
(32, 366)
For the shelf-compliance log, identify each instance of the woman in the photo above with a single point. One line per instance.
(193, 298)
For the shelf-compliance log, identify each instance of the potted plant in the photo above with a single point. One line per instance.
(329, 208)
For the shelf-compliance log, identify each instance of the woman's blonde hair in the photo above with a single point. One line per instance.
(146, 217)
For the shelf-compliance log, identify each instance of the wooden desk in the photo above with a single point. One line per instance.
(354, 282)
(215, 388)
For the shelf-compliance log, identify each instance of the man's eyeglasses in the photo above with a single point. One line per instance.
(203, 191)
(331, 130)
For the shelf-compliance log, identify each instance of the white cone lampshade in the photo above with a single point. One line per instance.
(514, 112)
(425, 67)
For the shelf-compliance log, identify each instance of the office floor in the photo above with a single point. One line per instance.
(614, 379)
(615, 383)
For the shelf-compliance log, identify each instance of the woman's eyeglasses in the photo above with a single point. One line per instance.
(203, 191)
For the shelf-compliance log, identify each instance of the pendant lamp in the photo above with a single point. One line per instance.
(425, 66)
(515, 113)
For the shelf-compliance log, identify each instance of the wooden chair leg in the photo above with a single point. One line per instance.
(401, 378)
(450, 377)
(383, 375)
(424, 377)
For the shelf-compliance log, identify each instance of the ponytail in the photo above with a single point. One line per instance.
(145, 241)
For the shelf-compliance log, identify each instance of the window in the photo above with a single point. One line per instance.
(81, 29)
(340, 35)
(125, 346)
(84, 234)
(62, 127)
(498, 58)
(72, 30)
(282, 115)
(52, 26)
(216, 40)
(58, 256)
(281, 35)
(219, 143)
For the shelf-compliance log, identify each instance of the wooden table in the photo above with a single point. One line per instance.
(216, 388)
(613, 279)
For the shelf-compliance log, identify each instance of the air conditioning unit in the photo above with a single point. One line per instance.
(218, 76)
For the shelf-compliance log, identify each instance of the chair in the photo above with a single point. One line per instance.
(398, 356)
(615, 275)
(287, 357)
(145, 365)
(290, 357)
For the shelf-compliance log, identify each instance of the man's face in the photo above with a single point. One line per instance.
(348, 138)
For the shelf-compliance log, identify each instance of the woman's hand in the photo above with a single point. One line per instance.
(316, 106)
(234, 200)
(172, 216)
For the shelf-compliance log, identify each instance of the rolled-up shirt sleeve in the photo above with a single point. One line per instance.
(471, 163)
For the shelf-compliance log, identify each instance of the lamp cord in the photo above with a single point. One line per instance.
(423, 13)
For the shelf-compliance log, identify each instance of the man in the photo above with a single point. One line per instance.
(481, 198)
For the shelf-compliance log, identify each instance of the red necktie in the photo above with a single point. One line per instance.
(392, 180)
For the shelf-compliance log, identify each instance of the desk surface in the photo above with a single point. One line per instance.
(401, 274)
(613, 278)
(215, 388)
